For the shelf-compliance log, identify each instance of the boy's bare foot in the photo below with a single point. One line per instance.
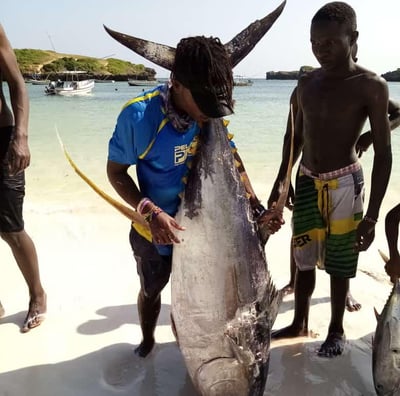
(289, 332)
(351, 304)
(2, 311)
(333, 345)
(36, 313)
(144, 348)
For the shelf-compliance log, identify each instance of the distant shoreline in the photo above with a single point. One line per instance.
(392, 76)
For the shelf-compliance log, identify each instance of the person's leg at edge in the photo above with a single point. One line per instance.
(154, 272)
(25, 255)
(289, 288)
(334, 343)
(304, 287)
(149, 310)
(2, 311)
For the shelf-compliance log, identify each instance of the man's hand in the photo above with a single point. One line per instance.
(365, 235)
(272, 220)
(364, 141)
(163, 229)
(18, 155)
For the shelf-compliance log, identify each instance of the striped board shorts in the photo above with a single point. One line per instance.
(327, 210)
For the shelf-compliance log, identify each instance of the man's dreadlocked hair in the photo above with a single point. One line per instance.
(203, 63)
(339, 12)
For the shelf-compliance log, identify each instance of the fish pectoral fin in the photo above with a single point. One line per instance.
(383, 255)
(248, 334)
(243, 356)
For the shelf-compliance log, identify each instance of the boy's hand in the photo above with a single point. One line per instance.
(392, 268)
(271, 219)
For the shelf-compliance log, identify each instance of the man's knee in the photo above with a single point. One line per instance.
(153, 290)
(13, 239)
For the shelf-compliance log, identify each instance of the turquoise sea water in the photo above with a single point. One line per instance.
(86, 124)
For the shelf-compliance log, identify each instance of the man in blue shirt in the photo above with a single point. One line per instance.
(157, 132)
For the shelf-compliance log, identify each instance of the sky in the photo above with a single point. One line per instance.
(76, 27)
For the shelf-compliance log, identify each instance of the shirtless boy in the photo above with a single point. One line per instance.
(14, 158)
(334, 102)
(363, 143)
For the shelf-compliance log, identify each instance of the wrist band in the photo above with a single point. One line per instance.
(258, 210)
(370, 220)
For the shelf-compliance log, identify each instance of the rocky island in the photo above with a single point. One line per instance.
(294, 75)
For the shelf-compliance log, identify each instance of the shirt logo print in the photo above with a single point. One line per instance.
(180, 154)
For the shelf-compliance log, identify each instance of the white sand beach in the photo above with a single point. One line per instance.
(85, 345)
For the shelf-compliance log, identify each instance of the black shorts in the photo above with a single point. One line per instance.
(12, 189)
(153, 269)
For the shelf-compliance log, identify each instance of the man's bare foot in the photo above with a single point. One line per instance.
(144, 348)
(333, 345)
(288, 289)
(289, 332)
(36, 313)
(2, 311)
(351, 304)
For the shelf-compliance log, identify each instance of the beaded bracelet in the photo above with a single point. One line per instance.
(142, 204)
(152, 214)
(370, 220)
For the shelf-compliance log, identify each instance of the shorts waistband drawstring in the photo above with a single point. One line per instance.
(347, 170)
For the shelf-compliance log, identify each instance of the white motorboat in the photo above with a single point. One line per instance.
(71, 86)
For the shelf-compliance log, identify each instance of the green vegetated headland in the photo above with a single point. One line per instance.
(45, 62)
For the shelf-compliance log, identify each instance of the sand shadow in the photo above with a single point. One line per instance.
(288, 305)
(113, 370)
(297, 370)
(117, 316)
(16, 318)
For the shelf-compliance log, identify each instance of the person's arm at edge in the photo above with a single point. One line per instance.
(392, 221)
(20, 158)
(298, 146)
(365, 140)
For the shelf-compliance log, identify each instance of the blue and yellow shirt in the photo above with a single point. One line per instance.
(144, 137)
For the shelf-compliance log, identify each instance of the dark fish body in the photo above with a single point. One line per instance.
(386, 347)
(223, 300)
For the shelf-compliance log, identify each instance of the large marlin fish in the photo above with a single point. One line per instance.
(386, 346)
(223, 300)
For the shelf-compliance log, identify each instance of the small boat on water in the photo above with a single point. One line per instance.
(240, 81)
(104, 80)
(142, 83)
(71, 86)
(37, 79)
(39, 82)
